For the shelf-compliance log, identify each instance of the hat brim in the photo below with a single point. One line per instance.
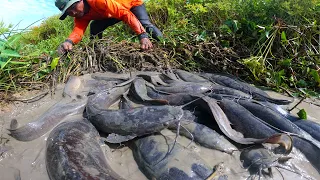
(64, 14)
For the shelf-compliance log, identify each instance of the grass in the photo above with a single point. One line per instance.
(266, 42)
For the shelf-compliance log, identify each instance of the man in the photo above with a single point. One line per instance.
(106, 13)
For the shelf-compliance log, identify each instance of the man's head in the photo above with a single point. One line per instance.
(74, 8)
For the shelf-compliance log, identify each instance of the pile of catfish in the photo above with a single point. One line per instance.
(215, 111)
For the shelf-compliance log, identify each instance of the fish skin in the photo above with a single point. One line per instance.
(309, 150)
(271, 117)
(189, 77)
(276, 120)
(151, 156)
(124, 102)
(223, 90)
(136, 121)
(246, 123)
(177, 99)
(104, 99)
(256, 158)
(205, 136)
(218, 115)
(186, 87)
(311, 127)
(139, 90)
(74, 152)
(72, 87)
(48, 120)
(234, 83)
(109, 76)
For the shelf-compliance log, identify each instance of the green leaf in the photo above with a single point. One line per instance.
(9, 53)
(285, 62)
(283, 37)
(54, 63)
(302, 114)
(302, 83)
(225, 43)
(13, 39)
(315, 75)
(232, 24)
(4, 62)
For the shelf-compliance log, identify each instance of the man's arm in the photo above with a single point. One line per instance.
(80, 27)
(75, 37)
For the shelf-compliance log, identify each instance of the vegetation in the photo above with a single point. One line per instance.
(267, 42)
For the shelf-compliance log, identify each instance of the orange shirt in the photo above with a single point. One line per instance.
(102, 9)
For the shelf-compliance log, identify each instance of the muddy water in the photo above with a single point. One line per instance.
(27, 159)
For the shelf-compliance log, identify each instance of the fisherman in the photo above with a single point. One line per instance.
(105, 13)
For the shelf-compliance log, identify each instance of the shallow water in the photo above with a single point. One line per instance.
(27, 159)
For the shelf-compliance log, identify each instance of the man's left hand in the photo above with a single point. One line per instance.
(145, 43)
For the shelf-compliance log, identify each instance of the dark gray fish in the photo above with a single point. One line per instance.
(109, 76)
(48, 120)
(124, 102)
(223, 90)
(73, 152)
(173, 99)
(153, 78)
(77, 85)
(273, 118)
(309, 150)
(223, 122)
(244, 121)
(205, 136)
(234, 83)
(139, 90)
(136, 121)
(104, 99)
(172, 77)
(186, 87)
(150, 76)
(116, 138)
(278, 109)
(189, 77)
(258, 160)
(250, 126)
(151, 156)
(282, 112)
(311, 127)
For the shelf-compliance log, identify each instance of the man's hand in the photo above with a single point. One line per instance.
(145, 43)
(64, 47)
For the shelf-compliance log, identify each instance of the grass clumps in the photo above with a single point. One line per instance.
(266, 42)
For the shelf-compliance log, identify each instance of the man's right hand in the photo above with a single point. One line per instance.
(64, 47)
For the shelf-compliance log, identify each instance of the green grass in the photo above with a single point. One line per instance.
(267, 42)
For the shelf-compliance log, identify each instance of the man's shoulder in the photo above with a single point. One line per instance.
(97, 3)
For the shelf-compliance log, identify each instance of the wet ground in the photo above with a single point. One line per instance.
(27, 159)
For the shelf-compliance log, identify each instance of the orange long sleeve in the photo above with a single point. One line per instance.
(102, 9)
